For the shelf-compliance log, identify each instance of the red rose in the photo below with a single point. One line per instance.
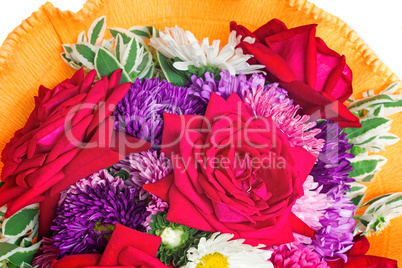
(233, 173)
(126, 248)
(68, 136)
(357, 257)
(316, 77)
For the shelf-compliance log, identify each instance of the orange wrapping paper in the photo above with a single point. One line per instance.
(30, 57)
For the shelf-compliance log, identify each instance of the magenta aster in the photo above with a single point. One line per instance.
(296, 256)
(46, 254)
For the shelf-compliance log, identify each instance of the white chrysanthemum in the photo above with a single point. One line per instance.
(175, 42)
(219, 252)
(311, 207)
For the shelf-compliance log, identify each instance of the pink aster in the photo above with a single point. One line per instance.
(291, 256)
(262, 102)
(311, 207)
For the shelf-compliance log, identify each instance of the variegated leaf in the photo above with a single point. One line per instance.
(391, 88)
(97, 31)
(120, 47)
(24, 254)
(172, 74)
(86, 54)
(146, 66)
(22, 221)
(125, 34)
(106, 64)
(365, 167)
(131, 56)
(379, 212)
(82, 37)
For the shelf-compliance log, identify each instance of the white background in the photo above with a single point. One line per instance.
(378, 22)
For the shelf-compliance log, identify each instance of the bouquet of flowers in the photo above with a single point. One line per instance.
(163, 150)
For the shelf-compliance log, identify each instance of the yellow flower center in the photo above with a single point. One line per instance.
(99, 227)
(213, 260)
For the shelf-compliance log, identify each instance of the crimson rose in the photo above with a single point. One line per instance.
(68, 136)
(316, 77)
(233, 173)
(126, 248)
(356, 257)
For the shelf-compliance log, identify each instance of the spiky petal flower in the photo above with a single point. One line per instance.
(311, 207)
(143, 168)
(291, 256)
(222, 252)
(91, 181)
(140, 112)
(87, 218)
(203, 87)
(177, 43)
(332, 167)
(46, 254)
(335, 237)
(264, 102)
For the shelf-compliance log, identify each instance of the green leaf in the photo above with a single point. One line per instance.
(106, 64)
(126, 35)
(368, 178)
(173, 75)
(131, 54)
(356, 188)
(20, 222)
(97, 31)
(26, 265)
(367, 125)
(24, 254)
(365, 223)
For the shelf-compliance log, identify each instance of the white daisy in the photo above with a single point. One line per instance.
(219, 252)
(175, 42)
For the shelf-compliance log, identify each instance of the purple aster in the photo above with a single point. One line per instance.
(335, 238)
(91, 181)
(140, 112)
(46, 254)
(87, 218)
(332, 167)
(228, 84)
(143, 168)
(292, 256)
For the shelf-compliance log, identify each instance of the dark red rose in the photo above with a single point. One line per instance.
(68, 136)
(316, 77)
(233, 173)
(357, 257)
(126, 248)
